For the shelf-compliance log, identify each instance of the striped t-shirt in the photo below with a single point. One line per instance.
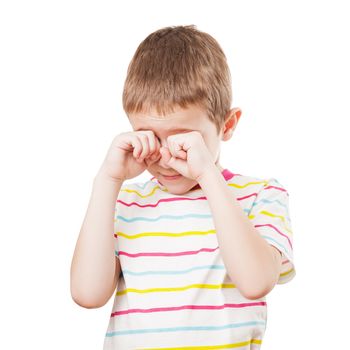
(174, 291)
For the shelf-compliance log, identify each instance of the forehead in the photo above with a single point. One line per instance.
(182, 119)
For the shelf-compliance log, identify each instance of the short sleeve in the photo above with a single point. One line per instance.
(270, 216)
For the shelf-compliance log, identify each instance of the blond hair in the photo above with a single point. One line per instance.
(179, 66)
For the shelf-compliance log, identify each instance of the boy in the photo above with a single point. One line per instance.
(197, 247)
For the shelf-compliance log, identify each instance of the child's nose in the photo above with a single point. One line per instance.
(163, 160)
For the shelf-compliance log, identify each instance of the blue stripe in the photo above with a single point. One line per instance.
(270, 202)
(174, 217)
(177, 217)
(180, 329)
(141, 185)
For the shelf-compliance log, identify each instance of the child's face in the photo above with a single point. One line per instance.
(182, 121)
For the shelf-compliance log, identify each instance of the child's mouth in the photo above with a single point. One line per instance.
(171, 177)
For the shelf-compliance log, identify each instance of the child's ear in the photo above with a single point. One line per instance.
(235, 114)
(238, 112)
(231, 121)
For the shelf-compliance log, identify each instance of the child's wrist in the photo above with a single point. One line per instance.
(103, 176)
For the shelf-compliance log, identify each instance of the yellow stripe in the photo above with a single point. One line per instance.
(248, 184)
(150, 290)
(171, 234)
(166, 190)
(141, 195)
(224, 346)
(264, 212)
(287, 272)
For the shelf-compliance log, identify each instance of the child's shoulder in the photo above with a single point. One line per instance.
(248, 188)
(243, 181)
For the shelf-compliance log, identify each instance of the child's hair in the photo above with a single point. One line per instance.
(176, 67)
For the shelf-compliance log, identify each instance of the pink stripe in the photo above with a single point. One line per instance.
(193, 307)
(162, 200)
(191, 252)
(277, 188)
(249, 195)
(276, 229)
(176, 199)
(194, 199)
(228, 175)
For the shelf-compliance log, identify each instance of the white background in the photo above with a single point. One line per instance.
(62, 69)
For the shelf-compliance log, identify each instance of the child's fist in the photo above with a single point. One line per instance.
(126, 156)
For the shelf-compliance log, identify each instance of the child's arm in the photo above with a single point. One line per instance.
(95, 269)
(252, 264)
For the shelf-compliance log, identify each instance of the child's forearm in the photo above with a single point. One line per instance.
(94, 263)
(252, 264)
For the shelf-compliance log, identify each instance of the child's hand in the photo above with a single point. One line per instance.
(188, 154)
(126, 155)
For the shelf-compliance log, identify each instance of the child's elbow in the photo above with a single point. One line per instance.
(87, 300)
(87, 303)
(257, 293)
